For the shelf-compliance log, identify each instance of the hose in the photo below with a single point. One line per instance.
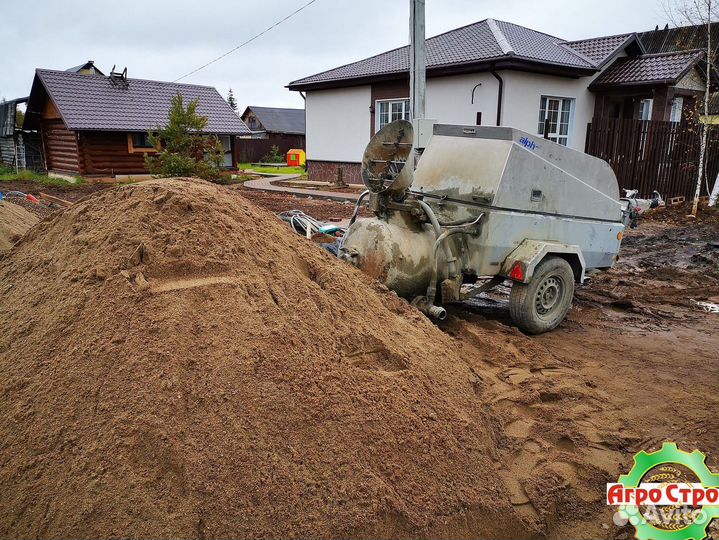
(438, 231)
(465, 228)
(357, 207)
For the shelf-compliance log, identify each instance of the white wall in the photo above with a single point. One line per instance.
(338, 123)
(338, 120)
(522, 94)
(449, 99)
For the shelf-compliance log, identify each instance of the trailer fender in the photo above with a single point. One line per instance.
(520, 263)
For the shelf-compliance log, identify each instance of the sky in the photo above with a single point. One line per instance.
(165, 39)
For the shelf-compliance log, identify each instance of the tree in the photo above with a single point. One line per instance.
(184, 149)
(699, 13)
(231, 100)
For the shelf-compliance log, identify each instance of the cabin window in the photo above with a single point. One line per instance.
(389, 110)
(139, 142)
(558, 112)
(676, 112)
(645, 109)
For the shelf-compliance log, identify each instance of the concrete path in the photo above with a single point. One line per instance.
(266, 183)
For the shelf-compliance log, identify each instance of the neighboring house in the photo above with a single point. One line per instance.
(271, 126)
(98, 126)
(18, 149)
(490, 73)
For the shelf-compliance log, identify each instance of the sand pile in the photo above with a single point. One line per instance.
(175, 362)
(14, 222)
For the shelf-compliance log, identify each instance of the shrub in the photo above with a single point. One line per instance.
(185, 150)
(274, 155)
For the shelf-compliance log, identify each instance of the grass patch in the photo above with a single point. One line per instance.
(272, 170)
(25, 175)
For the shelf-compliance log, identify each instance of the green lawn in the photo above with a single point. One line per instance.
(9, 175)
(272, 170)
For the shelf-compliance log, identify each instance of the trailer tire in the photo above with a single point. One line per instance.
(541, 304)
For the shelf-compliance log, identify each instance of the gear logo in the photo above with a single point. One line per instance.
(669, 494)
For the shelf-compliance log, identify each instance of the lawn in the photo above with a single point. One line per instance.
(272, 170)
(9, 175)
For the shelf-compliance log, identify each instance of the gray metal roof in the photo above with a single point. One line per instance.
(602, 49)
(280, 120)
(663, 68)
(484, 41)
(96, 103)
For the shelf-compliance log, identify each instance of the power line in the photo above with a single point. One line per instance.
(246, 42)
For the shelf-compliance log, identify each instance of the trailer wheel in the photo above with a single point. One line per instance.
(541, 304)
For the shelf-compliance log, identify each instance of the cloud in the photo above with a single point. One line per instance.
(165, 39)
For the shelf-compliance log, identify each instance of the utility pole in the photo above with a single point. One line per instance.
(417, 59)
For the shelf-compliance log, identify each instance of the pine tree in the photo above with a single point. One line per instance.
(231, 100)
(184, 148)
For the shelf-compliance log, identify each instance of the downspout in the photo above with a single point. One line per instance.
(500, 92)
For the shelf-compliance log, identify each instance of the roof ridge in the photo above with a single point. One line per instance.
(500, 38)
(624, 34)
(106, 77)
(268, 107)
(583, 56)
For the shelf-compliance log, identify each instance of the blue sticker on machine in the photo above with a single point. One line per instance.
(528, 143)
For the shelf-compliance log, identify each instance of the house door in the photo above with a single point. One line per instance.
(227, 147)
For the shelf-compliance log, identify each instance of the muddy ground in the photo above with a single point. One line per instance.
(634, 364)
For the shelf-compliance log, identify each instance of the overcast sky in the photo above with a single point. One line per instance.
(164, 39)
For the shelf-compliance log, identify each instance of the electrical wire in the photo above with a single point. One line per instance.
(247, 41)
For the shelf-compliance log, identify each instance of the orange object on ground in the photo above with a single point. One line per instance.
(296, 157)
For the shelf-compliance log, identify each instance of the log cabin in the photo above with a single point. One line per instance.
(92, 125)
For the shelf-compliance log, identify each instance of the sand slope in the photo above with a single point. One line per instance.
(175, 362)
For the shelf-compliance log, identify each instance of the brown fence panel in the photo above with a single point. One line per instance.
(654, 155)
(254, 150)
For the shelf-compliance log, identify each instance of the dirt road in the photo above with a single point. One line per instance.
(635, 364)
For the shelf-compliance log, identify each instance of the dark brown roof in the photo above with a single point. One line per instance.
(648, 69)
(96, 103)
(602, 49)
(477, 44)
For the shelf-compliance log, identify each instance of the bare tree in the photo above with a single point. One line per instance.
(699, 13)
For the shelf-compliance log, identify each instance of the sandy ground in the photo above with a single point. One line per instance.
(633, 365)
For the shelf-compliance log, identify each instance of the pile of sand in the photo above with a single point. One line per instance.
(14, 222)
(175, 362)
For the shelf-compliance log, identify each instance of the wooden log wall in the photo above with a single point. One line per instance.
(60, 147)
(106, 153)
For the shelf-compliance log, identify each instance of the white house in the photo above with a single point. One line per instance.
(492, 73)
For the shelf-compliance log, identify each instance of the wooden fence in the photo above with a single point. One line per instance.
(652, 155)
(253, 150)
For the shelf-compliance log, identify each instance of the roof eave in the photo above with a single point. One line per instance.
(504, 62)
(656, 82)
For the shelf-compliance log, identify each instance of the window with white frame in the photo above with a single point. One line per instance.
(389, 110)
(557, 112)
(645, 109)
(677, 106)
